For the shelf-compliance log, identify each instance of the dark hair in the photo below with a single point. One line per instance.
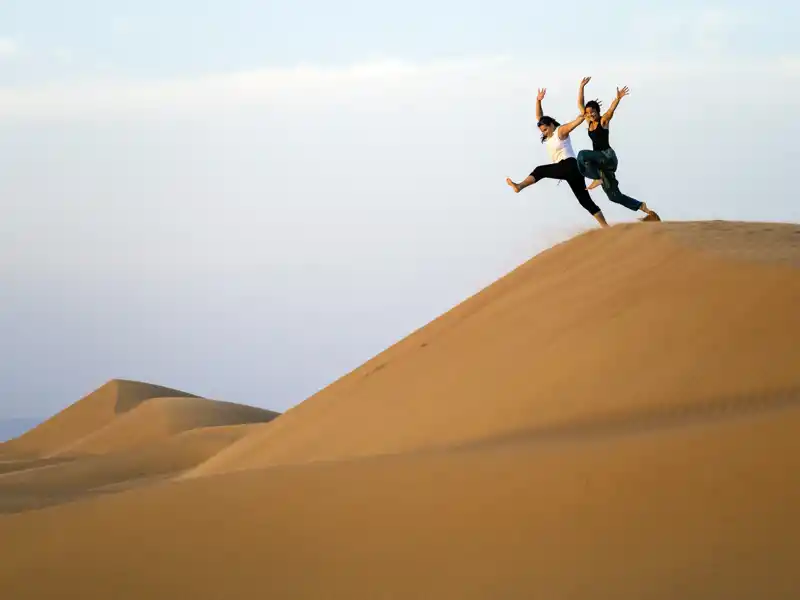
(595, 104)
(547, 121)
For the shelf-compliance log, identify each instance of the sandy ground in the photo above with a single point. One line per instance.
(617, 418)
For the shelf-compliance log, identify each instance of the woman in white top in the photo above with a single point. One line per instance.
(563, 165)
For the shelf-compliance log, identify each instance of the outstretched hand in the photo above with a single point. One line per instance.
(541, 94)
(622, 92)
(585, 80)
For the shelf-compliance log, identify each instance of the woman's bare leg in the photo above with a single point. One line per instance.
(601, 219)
(529, 180)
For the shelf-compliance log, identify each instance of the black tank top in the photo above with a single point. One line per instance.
(599, 137)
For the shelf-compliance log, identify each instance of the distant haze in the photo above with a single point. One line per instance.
(11, 428)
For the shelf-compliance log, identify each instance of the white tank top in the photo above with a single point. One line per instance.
(559, 149)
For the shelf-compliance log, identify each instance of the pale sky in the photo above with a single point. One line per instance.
(246, 199)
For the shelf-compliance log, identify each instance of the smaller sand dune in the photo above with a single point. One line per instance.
(92, 412)
(159, 418)
(123, 434)
(123, 414)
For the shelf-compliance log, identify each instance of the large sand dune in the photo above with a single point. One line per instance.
(633, 320)
(617, 418)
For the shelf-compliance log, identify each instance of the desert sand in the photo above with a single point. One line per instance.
(619, 417)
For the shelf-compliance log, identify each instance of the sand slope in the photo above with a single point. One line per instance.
(38, 484)
(617, 418)
(637, 318)
(706, 511)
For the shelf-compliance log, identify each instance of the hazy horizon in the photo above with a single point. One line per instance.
(248, 201)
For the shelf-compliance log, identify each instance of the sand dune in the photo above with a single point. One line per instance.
(139, 437)
(617, 418)
(93, 412)
(158, 418)
(122, 414)
(632, 319)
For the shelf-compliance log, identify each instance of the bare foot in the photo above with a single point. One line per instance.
(513, 185)
(651, 216)
(594, 184)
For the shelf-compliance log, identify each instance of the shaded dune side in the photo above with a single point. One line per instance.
(638, 317)
(158, 418)
(90, 413)
(20, 464)
(47, 483)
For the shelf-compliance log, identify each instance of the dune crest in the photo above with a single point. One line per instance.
(159, 418)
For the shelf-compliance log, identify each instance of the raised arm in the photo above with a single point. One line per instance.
(610, 112)
(581, 103)
(539, 99)
(568, 128)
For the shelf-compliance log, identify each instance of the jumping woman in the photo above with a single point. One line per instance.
(600, 163)
(563, 165)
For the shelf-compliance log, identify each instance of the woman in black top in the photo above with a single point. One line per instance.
(600, 163)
